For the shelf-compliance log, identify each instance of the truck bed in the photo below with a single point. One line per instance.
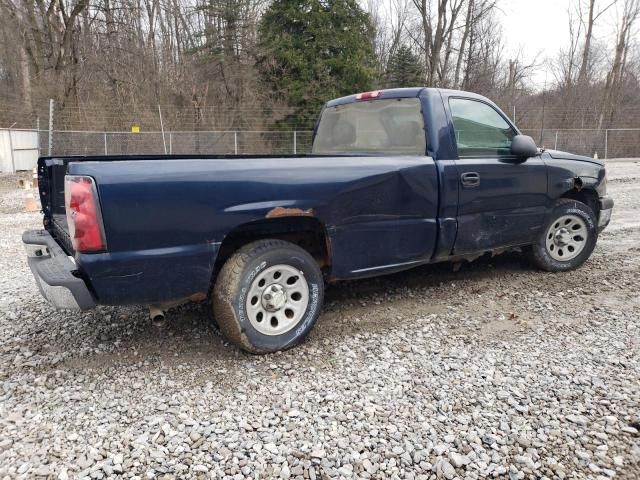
(169, 214)
(52, 170)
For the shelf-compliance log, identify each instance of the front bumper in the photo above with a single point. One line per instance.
(54, 272)
(606, 206)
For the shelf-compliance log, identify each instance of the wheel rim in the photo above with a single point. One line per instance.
(566, 237)
(277, 299)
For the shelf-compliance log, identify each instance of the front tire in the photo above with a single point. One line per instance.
(568, 238)
(268, 296)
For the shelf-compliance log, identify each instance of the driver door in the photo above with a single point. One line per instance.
(502, 198)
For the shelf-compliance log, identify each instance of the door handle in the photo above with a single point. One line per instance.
(470, 179)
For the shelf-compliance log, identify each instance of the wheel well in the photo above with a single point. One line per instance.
(585, 195)
(306, 232)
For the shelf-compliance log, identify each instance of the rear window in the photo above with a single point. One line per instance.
(393, 126)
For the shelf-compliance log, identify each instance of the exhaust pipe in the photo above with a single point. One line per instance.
(157, 316)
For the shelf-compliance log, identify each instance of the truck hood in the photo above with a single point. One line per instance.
(558, 155)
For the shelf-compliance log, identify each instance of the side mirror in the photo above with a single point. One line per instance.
(523, 146)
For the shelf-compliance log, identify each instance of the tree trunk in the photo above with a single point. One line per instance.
(615, 77)
(463, 43)
(584, 65)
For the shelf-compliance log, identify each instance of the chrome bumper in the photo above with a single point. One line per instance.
(54, 272)
(606, 207)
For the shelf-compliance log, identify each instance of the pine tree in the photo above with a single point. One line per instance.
(404, 69)
(315, 50)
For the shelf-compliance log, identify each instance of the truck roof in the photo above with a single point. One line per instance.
(409, 92)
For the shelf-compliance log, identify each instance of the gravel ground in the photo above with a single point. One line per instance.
(494, 371)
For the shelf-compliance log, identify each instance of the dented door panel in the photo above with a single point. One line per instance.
(508, 206)
(370, 248)
(384, 220)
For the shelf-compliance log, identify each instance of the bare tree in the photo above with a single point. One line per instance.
(468, 24)
(109, 63)
(437, 25)
(48, 33)
(587, 25)
(390, 23)
(615, 77)
(566, 65)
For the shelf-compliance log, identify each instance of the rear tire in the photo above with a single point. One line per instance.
(568, 238)
(268, 296)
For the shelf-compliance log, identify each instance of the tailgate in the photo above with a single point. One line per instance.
(51, 174)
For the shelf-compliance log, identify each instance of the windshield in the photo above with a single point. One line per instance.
(393, 126)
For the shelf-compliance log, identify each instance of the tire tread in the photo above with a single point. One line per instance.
(535, 254)
(228, 283)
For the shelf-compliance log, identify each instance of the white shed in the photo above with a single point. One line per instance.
(18, 150)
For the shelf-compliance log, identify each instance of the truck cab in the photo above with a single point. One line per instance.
(494, 187)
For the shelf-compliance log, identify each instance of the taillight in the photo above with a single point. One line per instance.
(368, 95)
(83, 214)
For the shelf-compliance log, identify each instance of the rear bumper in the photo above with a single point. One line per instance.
(606, 206)
(54, 272)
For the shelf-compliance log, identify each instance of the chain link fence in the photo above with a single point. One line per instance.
(75, 142)
(610, 143)
(24, 146)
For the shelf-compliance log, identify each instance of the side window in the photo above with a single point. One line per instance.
(480, 129)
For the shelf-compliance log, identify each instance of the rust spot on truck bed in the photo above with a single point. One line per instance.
(288, 212)
(198, 297)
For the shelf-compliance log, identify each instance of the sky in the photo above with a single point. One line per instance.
(540, 28)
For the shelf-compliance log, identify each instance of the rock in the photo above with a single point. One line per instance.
(318, 453)
(440, 449)
(488, 439)
(447, 470)
(578, 419)
(271, 447)
(594, 468)
(499, 471)
(346, 470)
(246, 426)
(368, 466)
(458, 460)
(42, 471)
(397, 450)
(583, 455)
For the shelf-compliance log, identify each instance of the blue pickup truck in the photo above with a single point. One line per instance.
(397, 178)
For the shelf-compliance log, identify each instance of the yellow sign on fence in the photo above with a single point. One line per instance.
(135, 128)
